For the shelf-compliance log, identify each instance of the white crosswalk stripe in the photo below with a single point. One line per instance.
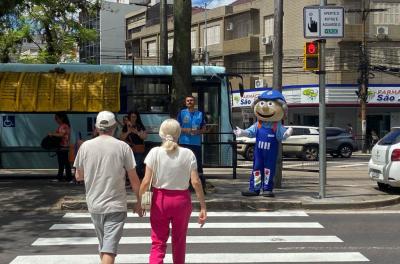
(215, 214)
(203, 258)
(195, 225)
(191, 239)
(227, 237)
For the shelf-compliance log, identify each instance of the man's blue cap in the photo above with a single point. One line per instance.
(271, 95)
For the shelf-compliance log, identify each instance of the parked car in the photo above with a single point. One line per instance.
(304, 143)
(384, 164)
(339, 143)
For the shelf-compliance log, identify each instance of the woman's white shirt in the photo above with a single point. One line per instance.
(172, 170)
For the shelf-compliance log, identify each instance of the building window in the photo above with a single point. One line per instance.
(193, 39)
(389, 17)
(352, 18)
(268, 26)
(213, 35)
(151, 49)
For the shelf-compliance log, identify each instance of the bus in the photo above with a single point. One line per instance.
(30, 94)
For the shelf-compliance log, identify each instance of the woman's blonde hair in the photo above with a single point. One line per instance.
(170, 130)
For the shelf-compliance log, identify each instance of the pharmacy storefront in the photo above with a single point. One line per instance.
(342, 106)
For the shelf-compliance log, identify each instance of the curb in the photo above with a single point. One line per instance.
(267, 204)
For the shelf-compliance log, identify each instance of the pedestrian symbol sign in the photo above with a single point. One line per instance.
(323, 22)
(311, 22)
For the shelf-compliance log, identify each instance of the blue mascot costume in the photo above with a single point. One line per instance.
(269, 108)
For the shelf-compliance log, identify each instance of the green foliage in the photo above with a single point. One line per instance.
(56, 21)
(12, 32)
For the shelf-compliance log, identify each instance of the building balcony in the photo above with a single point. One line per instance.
(241, 45)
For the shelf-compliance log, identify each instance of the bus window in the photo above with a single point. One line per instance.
(147, 94)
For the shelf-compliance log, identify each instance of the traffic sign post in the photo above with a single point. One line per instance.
(321, 22)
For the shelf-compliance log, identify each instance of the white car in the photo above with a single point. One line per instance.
(302, 143)
(384, 165)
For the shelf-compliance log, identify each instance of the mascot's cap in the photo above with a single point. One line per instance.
(271, 95)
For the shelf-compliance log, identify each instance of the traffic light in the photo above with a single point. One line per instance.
(311, 56)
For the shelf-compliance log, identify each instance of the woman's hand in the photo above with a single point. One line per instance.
(139, 210)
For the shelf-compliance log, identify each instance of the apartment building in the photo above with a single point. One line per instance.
(240, 38)
(109, 22)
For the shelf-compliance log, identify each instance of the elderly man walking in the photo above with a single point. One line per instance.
(102, 163)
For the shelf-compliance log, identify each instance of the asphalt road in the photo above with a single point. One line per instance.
(330, 236)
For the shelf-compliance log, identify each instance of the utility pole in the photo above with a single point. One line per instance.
(206, 59)
(163, 33)
(363, 80)
(277, 74)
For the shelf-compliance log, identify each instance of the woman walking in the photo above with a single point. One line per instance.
(134, 133)
(63, 131)
(169, 169)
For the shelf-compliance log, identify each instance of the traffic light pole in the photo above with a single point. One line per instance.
(322, 114)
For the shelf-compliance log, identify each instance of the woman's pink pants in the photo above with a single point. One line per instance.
(169, 206)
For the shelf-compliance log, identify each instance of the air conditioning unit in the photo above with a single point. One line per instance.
(259, 83)
(267, 40)
(229, 26)
(382, 30)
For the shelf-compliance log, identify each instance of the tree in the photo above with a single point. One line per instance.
(182, 57)
(13, 29)
(57, 21)
(8, 6)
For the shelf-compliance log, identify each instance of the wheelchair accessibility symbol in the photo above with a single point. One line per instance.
(8, 121)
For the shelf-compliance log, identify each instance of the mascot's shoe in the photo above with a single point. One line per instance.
(268, 194)
(250, 193)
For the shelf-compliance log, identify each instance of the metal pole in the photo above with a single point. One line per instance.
(277, 74)
(364, 69)
(205, 35)
(133, 59)
(322, 114)
(163, 33)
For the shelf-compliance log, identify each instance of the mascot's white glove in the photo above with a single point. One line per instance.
(288, 133)
(240, 132)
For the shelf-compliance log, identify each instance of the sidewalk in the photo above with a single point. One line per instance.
(27, 190)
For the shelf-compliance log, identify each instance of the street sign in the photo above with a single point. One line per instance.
(311, 22)
(323, 22)
(9, 121)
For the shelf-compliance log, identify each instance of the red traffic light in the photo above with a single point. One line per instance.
(311, 48)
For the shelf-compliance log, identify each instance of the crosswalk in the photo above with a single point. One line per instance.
(227, 237)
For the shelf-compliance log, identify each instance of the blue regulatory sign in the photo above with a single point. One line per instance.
(8, 121)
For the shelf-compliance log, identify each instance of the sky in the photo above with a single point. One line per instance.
(212, 3)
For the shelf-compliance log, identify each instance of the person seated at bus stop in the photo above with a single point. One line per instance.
(193, 124)
(134, 133)
(270, 108)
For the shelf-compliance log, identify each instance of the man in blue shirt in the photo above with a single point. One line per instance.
(193, 125)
